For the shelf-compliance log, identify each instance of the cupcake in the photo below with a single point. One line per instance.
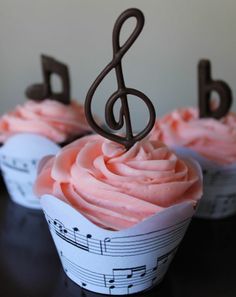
(117, 216)
(118, 206)
(37, 128)
(46, 113)
(212, 142)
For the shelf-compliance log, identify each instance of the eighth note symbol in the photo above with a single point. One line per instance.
(123, 91)
(44, 90)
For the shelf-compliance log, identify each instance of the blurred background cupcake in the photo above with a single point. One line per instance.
(47, 113)
(37, 128)
(210, 139)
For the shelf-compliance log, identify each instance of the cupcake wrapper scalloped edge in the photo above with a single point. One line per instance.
(219, 187)
(19, 157)
(116, 262)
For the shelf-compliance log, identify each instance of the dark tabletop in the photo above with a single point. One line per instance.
(204, 266)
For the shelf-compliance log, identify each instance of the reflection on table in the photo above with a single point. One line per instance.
(28, 262)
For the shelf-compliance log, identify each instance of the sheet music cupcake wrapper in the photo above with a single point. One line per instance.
(219, 187)
(115, 262)
(19, 157)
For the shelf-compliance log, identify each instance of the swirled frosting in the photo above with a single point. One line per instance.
(56, 121)
(115, 188)
(211, 138)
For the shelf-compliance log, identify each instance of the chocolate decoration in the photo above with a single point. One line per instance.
(44, 90)
(122, 91)
(205, 86)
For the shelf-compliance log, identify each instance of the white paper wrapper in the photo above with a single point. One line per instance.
(219, 187)
(116, 262)
(19, 157)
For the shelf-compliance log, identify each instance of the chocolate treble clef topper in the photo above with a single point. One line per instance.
(44, 90)
(206, 85)
(122, 92)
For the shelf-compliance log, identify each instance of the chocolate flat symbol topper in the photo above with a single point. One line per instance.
(206, 85)
(122, 91)
(44, 90)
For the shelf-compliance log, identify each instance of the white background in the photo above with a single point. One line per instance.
(161, 63)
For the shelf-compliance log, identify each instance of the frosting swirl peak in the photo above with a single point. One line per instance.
(211, 138)
(115, 188)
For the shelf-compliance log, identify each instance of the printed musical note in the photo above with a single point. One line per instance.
(120, 246)
(22, 190)
(69, 235)
(111, 288)
(128, 272)
(128, 288)
(121, 278)
(123, 91)
(86, 276)
(165, 258)
(18, 164)
(42, 91)
(163, 262)
(106, 240)
(76, 230)
(225, 202)
(140, 244)
(219, 177)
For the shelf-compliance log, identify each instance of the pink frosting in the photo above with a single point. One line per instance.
(115, 188)
(213, 139)
(49, 118)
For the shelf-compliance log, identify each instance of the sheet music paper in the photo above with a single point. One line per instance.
(19, 157)
(115, 262)
(219, 187)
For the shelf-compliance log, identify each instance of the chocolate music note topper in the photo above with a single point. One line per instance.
(44, 90)
(206, 85)
(122, 91)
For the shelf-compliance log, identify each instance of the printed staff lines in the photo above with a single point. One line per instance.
(23, 190)
(119, 246)
(219, 178)
(227, 197)
(85, 275)
(131, 276)
(146, 244)
(156, 243)
(149, 240)
(18, 164)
